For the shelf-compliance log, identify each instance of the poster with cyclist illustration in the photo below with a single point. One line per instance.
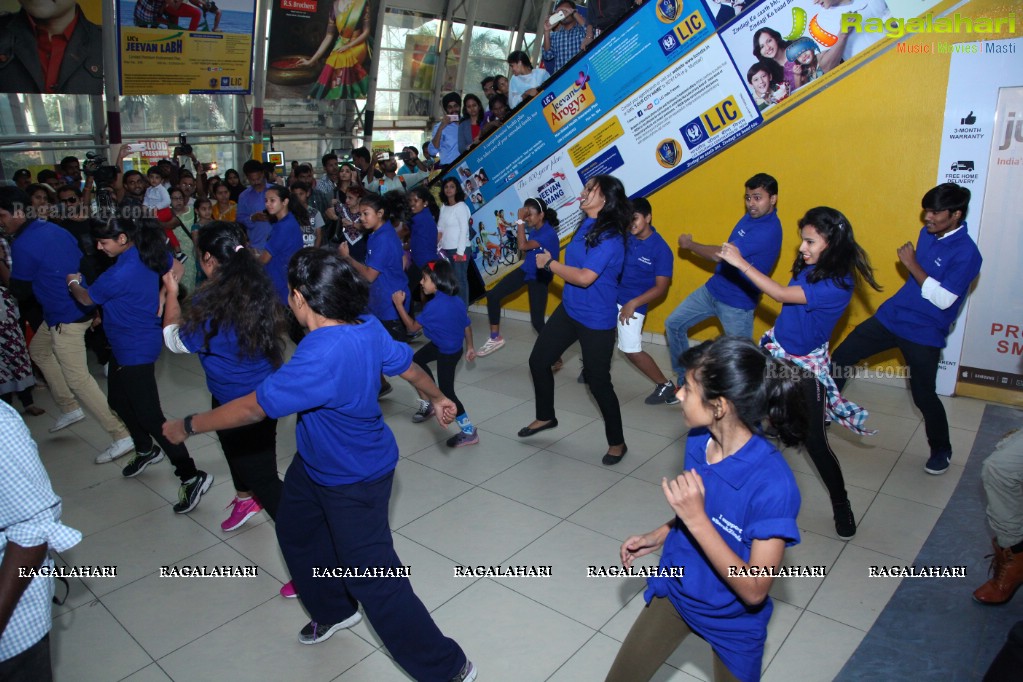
(181, 47)
(493, 229)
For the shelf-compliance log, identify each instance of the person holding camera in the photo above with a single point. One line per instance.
(413, 164)
(391, 180)
(565, 34)
(444, 137)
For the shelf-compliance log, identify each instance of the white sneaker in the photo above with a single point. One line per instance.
(119, 448)
(67, 419)
(490, 346)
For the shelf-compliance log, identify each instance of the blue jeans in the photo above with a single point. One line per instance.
(696, 308)
(461, 268)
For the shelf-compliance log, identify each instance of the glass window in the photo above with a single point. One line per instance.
(407, 61)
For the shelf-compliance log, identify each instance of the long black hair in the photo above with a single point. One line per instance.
(757, 385)
(240, 296)
(549, 214)
(616, 215)
(295, 206)
(145, 233)
(426, 196)
(843, 258)
(330, 286)
(442, 274)
(465, 110)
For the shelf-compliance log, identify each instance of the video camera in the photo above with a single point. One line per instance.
(183, 148)
(97, 167)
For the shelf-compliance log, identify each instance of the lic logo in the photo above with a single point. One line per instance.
(694, 133)
(668, 42)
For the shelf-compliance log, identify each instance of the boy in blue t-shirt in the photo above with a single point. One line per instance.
(728, 295)
(645, 277)
(919, 317)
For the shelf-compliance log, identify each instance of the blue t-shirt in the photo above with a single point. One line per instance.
(285, 240)
(751, 495)
(384, 254)
(547, 237)
(250, 201)
(444, 319)
(45, 254)
(423, 238)
(594, 306)
(954, 262)
(802, 328)
(229, 374)
(130, 295)
(759, 242)
(341, 434)
(645, 261)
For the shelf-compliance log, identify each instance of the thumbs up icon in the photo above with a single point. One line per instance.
(969, 120)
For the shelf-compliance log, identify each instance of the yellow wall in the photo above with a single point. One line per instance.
(868, 146)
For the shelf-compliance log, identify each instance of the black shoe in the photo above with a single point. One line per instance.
(137, 464)
(314, 633)
(845, 522)
(664, 394)
(191, 492)
(526, 432)
(611, 460)
(385, 388)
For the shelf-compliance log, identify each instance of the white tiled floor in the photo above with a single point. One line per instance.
(545, 501)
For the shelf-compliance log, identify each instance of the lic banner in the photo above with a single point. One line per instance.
(180, 47)
(662, 93)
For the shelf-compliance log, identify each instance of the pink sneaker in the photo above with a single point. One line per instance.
(244, 509)
(288, 590)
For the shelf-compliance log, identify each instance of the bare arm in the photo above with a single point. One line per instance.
(12, 586)
(706, 251)
(398, 298)
(239, 412)
(660, 286)
(580, 277)
(685, 494)
(783, 294)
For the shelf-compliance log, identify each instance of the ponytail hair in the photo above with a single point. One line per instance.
(331, 287)
(145, 233)
(843, 259)
(239, 296)
(295, 207)
(426, 196)
(549, 214)
(757, 385)
(392, 203)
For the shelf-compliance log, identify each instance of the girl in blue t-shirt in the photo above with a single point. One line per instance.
(543, 235)
(422, 227)
(823, 278)
(445, 321)
(384, 262)
(735, 507)
(129, 293)
(588, 313)
(236, 325)
(286, 218)
(334, 507)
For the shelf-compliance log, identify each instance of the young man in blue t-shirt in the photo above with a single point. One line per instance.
(728, 295)
(646, 275)
(919, 317)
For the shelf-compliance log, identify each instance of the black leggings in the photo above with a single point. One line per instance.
(513, 282)
(446, 364)
(251, 453)
(817, 445)
(870, 338)
(132, 394)
(598, 345)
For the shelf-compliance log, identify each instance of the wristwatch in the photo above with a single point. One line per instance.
(547, 265)
(188, 425)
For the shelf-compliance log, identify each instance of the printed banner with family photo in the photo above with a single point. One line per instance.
(27, 68)
(320, 50)
(180, 47)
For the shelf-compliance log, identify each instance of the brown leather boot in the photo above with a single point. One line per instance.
(1007, 576)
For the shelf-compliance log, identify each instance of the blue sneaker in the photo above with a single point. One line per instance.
(938, 462)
